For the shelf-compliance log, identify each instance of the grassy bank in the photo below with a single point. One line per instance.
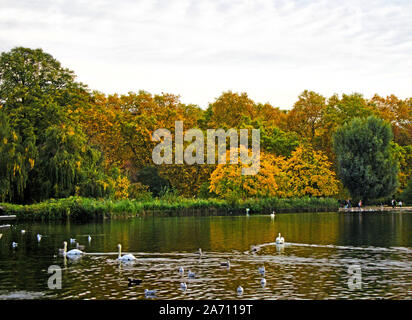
(83, 209)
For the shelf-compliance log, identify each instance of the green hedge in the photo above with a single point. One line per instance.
(84, 209)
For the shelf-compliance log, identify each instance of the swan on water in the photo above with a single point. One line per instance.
(39, 237)
(280, 239)
(272, 215)
(126, 257)
(239, 290)
(262, 270)
(191, 274)
(199, 252)
(74, 253)
(183, 286)
(225, 264)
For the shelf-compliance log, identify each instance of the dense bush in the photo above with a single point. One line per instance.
(83, 209)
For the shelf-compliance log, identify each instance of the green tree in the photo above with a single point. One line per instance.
(365, 160)
(48, 154)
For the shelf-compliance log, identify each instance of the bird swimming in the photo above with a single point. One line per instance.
(134, 281)
(262, 270)
(272, 215)
(225, 264)
(191, 274)
(239, 290)
(126, 257)
(280, 239)
(149, 292)
(199, 252)
(263, 282)
(183, 286)
(74, 253)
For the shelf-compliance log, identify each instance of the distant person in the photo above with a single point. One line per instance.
(393, 203)
(360, 204)
(348, 202)
(400, 204)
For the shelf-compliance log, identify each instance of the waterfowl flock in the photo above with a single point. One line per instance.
(77, 252)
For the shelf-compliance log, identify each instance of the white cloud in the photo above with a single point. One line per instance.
(271, 49)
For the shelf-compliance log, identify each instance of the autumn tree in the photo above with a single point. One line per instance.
(228, 182)
(309, 173)
(305, 118)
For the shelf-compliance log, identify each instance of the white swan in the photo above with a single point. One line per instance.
(74, 253)
(272, 215)
(200, 253)
(280, 239)
(239, 290)
(263, 282)
(126, 257)
(183, 286)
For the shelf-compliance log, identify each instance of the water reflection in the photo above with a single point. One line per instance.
(312, 264)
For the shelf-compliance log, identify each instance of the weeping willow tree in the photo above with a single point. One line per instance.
(16, 160)
(43, 152)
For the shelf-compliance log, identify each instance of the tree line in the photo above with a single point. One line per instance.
(58, 138)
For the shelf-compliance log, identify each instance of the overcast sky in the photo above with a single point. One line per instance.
(272, 50)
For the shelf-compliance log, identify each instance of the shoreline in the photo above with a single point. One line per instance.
(376, 209)
(88, 209)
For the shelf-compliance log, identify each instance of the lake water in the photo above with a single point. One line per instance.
(313, 264)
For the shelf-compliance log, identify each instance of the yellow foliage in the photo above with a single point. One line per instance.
(121, 187)
(306, 172)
